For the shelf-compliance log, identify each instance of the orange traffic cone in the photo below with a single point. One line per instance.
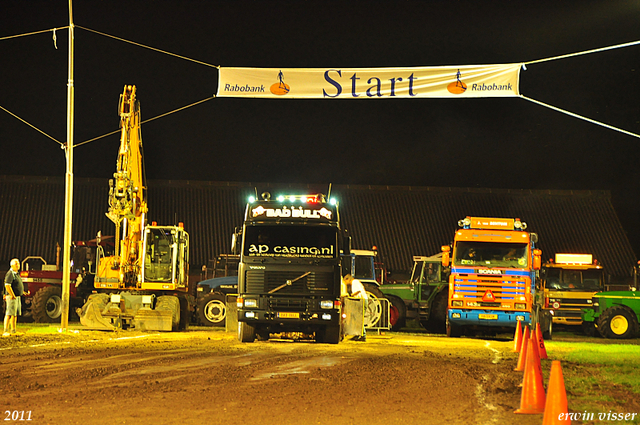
(533, 399)
(541, 349)
(556, 404)
(523, 351)
(517, 339)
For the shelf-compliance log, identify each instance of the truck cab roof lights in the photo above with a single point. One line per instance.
(582, 259)
(489, 223)
(465, 223)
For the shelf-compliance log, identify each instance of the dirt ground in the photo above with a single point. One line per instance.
(206, 376)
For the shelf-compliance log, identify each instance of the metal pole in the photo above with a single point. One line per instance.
(68, 205)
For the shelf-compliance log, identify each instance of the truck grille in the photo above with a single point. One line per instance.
(503, 289)
(285, 304)
(263, 281)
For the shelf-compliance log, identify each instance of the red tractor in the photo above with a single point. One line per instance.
(44, 282)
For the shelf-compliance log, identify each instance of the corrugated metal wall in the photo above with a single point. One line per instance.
(400, 221)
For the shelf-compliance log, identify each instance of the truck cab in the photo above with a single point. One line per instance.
(569, 284)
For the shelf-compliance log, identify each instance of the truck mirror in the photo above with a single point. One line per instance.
(537, 259)
(446, 259)
(347, 245)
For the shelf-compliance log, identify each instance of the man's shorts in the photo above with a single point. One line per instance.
(14, 307)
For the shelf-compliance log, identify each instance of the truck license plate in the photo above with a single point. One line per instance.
(488, 316)
(282, 315)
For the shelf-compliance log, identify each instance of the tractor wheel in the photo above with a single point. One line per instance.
(246, 332)
(618, 322)
(437, 322)
(46, 305)
(212, 310)
(373, 308)
(397, 313)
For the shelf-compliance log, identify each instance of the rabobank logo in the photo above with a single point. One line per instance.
(280, 88)
(458, 86)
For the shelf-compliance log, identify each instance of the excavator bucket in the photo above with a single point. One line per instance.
(153, 320)
(91, 317)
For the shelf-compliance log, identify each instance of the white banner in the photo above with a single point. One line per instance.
(371, 83)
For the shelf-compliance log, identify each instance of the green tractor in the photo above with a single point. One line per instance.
(616, 314)
(424, 297)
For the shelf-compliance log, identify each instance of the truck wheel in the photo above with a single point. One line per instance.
(212, 310)
(437, 322)
(589, 328)
(373, 309)
(618, 322)
(246, 332)
(547, 329)
(397, 313)
(46, 305)
(453, 330)
(329, 335)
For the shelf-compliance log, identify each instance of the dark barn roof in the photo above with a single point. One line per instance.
(400, 221)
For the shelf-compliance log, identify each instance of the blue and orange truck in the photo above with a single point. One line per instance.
(494, 281)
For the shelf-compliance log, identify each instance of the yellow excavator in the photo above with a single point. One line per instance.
(144, 285)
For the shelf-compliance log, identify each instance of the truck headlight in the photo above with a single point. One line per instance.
(457, 303)
(326, 304)
(326, 316)
(520, 306)
(250, 303)
(250, 314)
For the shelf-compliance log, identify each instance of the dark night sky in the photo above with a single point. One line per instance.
(495, 143)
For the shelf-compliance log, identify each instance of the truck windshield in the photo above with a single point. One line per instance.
(288, 241)
(574, 280)
(490, 254)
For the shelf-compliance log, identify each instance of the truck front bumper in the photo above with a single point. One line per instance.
(322, 318)
(464, 317)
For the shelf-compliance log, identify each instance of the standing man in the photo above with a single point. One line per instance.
(13, 289)
(354, 288)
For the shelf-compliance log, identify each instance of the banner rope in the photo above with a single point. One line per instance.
(149, 47)
(32, 126)
(146, 121)
(586, 52)
(33, 33)
(580, 116)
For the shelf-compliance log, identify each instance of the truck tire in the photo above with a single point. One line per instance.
(246, 332)
(171, 303)
(589, 329)
(397, 313)
(437, 322)
(453, 330)
(545, 320)
(373, 309)
(618, 322)
(46, 305)
(329, 335)
(212, 310)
